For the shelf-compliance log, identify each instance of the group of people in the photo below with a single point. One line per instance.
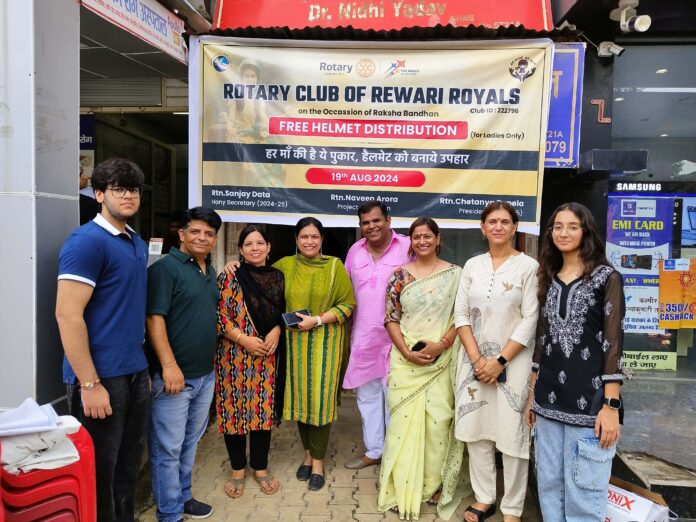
(448, 364)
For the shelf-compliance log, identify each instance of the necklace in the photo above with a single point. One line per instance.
(415, 264)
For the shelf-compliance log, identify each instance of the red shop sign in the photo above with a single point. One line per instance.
(382, 14)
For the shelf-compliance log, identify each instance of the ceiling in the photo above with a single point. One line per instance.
(648, 104)
(109, 52)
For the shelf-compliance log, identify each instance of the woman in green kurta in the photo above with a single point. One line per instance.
(316, 346)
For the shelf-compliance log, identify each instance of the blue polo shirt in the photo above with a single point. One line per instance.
(115, 265)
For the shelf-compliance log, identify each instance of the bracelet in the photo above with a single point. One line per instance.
(408, 359)
(89, 385)
(238, 337)
(446, 342)
(477, 360)
(319, 321)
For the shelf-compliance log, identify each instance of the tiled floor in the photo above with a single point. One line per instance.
(348, 495)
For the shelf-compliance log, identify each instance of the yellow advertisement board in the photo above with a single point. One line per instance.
(436, 129)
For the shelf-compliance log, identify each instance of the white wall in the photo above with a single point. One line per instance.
(39, 126)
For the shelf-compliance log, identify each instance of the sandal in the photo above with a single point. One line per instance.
(234, 488)
(481, 515)
(267, 481)
(432, 501)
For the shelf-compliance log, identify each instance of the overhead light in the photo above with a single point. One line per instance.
(664, 135)
(661, 71)
(628, 18)
(619, 99)
(180, 113)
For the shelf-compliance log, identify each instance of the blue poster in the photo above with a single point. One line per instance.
(639, 234)
(563, 134)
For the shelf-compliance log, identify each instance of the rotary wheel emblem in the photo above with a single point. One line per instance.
(365, 68)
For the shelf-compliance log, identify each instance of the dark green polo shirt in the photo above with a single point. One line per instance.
(188, 300)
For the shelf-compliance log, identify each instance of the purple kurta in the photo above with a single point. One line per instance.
(369, 342)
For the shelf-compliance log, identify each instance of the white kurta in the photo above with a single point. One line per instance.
(498, 306)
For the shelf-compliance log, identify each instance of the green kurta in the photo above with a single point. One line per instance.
(314, 357)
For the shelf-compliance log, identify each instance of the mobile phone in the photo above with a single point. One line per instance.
(291, 320)
(692, 217)
(418, 346)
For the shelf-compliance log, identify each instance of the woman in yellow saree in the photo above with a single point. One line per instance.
(422, 459)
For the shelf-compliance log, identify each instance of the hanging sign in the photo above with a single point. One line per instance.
(147, 19)
(563, 133)
(289, 131)
(382, 14)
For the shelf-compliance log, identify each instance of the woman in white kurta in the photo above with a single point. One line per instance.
(495, 315)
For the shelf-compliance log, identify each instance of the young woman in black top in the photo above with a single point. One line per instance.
(574, 399)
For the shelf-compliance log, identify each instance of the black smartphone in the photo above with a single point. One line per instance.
(418, 346)
(291, 320)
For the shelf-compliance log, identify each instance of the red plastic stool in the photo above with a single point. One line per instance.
(60, 505)
(81, 472)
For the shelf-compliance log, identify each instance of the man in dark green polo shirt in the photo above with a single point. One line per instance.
(182, 302)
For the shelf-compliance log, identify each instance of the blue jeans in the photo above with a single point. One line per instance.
(119, 441)
(572, 472)
(177, 423)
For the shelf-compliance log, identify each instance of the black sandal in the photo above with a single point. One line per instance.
(481, 515)
(316, 482)
(303, 472)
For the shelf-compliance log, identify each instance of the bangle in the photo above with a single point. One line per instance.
(238, 337)
(408, 359)
(477, 360)
(446, 342)
(319, 321)
(89, 385)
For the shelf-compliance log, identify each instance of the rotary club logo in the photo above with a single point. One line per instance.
(365, 68)
(522, 68)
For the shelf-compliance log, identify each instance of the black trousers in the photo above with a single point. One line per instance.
(119, 440)
(259, 445)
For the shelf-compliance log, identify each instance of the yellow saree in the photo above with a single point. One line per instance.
(421, 454)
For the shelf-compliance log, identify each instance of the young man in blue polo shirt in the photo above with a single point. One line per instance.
(182, 304)
(100, 308)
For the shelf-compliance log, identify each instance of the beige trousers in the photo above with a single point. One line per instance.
(483, 477)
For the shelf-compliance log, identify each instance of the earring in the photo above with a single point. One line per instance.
(296, 250)
(438, 249)
(483, 236)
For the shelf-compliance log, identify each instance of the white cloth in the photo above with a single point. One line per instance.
(498, 306)
(483, 477)
(44, 450)
(29, 417)
(372, 403)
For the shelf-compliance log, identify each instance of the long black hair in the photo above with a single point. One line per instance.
(591, 248)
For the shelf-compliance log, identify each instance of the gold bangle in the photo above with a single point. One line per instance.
(238, 337)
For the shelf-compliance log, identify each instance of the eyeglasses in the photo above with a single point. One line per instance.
(573, 228)
(120, 192)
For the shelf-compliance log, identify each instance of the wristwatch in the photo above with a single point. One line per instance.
(502, 360)
(614, 404)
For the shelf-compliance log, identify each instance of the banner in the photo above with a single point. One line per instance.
(87, 145)
(433, 129)
(382, 14)
(563, 133)
(639, 235)
(677, 293)
(147, 19)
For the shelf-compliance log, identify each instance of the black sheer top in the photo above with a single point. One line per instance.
(579, 346)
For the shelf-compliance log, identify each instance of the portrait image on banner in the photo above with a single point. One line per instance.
(291, 130)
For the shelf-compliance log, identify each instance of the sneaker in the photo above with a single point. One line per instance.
(195, 509)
